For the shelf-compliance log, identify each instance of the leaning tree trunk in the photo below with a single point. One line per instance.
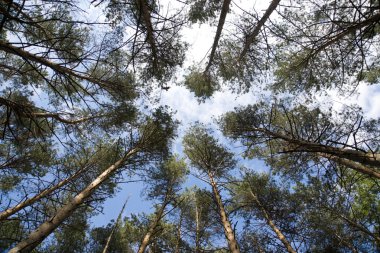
(114, 227)
(252, 36)
(229, 233)
(12, 210)
(152, 227)
(45, 229)
(222, 19)
(275, 229)
(353, 165)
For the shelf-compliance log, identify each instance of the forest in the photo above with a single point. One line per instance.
(259, 134)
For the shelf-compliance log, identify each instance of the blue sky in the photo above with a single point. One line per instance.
(188, 111)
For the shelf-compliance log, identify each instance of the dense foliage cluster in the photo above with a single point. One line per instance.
(78, 115)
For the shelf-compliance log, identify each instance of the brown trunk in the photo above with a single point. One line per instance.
(353, 165)
(342, 155)
(10, 211)
(145, 13)
(114, 227)
(229, 233)
(152, 227)
(222, 19)
(197, 244)
(252, 36)
(275, 229)
(45, 229)
(178, 243)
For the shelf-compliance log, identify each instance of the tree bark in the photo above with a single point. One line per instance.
(222, 19)
(145, 13)
(45, 229)
(114, 227)
(197, 243)
(229, 233)
(152, 227)
(10, 211)
(275, 229)
(252, 36)
(178, 243)
(356, 160)
(353, 165)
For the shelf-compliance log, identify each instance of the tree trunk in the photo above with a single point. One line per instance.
(353, 165)
(45, 229)
(152, 227)
(222, 19)
(178, 243)
(114, 227)
(229, 233)
(275, 229)
(347, 157)
(197, 243)
(252, 36)
(145, 13)
(10, 211)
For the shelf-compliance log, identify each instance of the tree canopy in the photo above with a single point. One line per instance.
(83, 113)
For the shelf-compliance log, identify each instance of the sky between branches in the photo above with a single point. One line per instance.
(189, 111)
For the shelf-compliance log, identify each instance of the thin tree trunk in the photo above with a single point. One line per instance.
(349, 245)
(359, 227)
(252, 36)
(197, 244)
(114, 227)
(152, 227)
(275, 229)
(45, 229)
(347, 30)
(10, 211)
(178, 243)
(229, 233)
(222, 19)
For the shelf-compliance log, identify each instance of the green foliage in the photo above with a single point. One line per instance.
(372, 76)
(202, 11)
(206, 154)
(164, 180)
(10, 232)
(289, 138)
(203, 85)
(74, 97)
(72, 236)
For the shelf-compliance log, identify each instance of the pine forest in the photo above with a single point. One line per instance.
(194, 126)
